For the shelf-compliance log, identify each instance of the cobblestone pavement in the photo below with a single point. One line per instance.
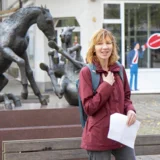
(149, 157)
(148, 113)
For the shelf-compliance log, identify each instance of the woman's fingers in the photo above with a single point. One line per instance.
(131, 117)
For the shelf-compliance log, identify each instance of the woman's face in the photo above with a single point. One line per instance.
(104, 50)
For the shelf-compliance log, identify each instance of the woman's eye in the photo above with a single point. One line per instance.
(99, 43)
(109, 43)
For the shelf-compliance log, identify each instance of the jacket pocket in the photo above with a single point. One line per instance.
(96, 119)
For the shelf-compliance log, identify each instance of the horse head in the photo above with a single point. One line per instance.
(45, 23)
(66, 35)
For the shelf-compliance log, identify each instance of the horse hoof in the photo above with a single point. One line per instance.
(24, 95)
(8, 105)
(44, 102)
(43, 67)
(18, 103)
(60, 96)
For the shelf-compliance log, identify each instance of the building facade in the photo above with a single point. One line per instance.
(130, 21)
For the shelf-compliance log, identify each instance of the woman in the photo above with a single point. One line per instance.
(112, 96)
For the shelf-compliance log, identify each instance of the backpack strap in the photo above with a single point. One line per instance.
(83, 116)
(121, 71)
(94, 76)
(95, 82)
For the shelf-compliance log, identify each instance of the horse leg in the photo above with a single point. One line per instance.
(3, 81)
(6, 99)
(3, 97)
(53, 78)
(31, 79)
(10, 55)
(15, 99)
(63, 83)
(77, 48)
(50, 72)
(7, 102)
(78, 64)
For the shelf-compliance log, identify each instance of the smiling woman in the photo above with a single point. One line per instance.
(100, 103)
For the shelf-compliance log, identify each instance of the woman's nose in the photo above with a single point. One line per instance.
(104, 45)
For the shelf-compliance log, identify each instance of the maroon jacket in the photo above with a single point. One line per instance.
(99, 106)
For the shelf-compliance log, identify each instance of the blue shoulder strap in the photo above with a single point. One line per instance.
(83, 116)
(95, 82)
(94, 76)
(121, 71)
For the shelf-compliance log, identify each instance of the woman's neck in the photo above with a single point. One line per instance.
(104, 65)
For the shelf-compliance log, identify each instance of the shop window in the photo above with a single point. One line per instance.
(141, 21)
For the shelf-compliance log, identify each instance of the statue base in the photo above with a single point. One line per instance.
(39, 124)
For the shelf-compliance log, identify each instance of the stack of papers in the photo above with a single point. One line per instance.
(121, 132)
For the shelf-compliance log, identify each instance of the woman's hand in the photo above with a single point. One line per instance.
(109, 78)
(131, 117)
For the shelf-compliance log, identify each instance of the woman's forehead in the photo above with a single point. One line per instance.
(105, 38)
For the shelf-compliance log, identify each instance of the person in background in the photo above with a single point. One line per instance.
(112, 96)
(132, 62)
(75, 40)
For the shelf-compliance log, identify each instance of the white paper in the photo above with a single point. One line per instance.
(121, 132)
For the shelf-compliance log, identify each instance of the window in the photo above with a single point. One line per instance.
(62, 22)
(111, 11)
(68, 21)
(112, 22)
(141, 21)
(0, 9)
(116, 30)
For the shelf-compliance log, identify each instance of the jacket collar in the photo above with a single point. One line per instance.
(113, 68)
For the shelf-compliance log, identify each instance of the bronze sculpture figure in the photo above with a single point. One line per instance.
(68, 69)
(14, 42)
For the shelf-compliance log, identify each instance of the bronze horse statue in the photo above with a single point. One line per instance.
(66, 68)
(14, 42)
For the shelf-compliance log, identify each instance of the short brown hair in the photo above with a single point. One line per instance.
(100, 36)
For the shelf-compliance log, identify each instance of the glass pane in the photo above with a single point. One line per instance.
(141, 21)
(0, 9)
(69, 21)
(111, 11)
(116, 30)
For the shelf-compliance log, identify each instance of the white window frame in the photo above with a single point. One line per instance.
(117, 21)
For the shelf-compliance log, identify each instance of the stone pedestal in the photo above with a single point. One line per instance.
(39, 124)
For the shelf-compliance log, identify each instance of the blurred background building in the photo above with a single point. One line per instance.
(130, 21)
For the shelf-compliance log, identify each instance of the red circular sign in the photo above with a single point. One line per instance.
(154, 41)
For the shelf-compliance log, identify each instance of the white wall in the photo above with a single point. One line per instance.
(8, 3)
(84, 11)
